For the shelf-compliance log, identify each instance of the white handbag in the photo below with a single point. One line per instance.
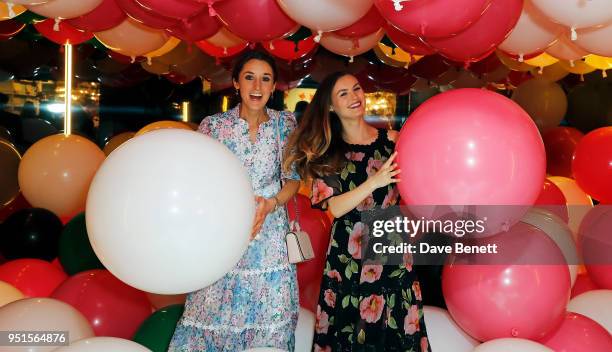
(299, 248)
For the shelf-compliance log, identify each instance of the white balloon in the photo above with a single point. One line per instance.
(103, 344)
(532, 33)
(596, 304)
(350, 46)
(596, 40)
(511, 345)
(576, 13)
(565, 49)
(170, 211)
(304, 332)
(326, 15)
(556, 229)
(444, 334)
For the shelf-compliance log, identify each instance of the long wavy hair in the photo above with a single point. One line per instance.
(316, 147)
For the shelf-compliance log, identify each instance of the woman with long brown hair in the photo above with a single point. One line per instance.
(362, 307)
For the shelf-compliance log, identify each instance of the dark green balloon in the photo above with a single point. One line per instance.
(75, 252)
(156, 332)
(590, 106)
(29, 17)
(301, 34)
(30, 233)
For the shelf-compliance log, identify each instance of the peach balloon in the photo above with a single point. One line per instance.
(565, 49)
(131, 38)
(325, 15)
(159, 125)
(224, 39)
(65, 8)
(8, 293)
(596, 40)
(43, 314)
(160, 301)
(116, 141)
(351, 46)
(56, 171)
(10, 10)
(544, 101)
(578, 202)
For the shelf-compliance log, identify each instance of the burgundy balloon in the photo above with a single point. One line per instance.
(177, 9)
(106, 16)
(483, 36)
(255, 20)
(145, 16)
(368, 24)
(430, 67)
(198, 27)
(10, 28)
(408, 42)
(486, 65)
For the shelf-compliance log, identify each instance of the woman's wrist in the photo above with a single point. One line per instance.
(276, 202)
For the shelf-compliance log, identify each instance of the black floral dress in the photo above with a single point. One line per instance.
(369, 307)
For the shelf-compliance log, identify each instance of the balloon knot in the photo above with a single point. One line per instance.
(11, 12)
(211, 10)
(318, 37)
(573, 34)
(56, 25)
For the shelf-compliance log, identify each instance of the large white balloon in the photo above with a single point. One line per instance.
(532, 33)
(596, 40)
(325, 15)
(444, 334)
(103, 344)
(565, 49)
(304, 332)
(576, 13)
(511, 345)
(596, 304)
(170, 211)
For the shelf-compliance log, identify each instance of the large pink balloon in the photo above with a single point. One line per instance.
(432, 18)
(595, 240)
(367, 24)
(266, 21)
(483, 36)
(145, 16)
(471, 147)
(131, 38)
(409, 43)
(578, 333)
(179, 9)
(106, 16)
(65, 8)
(578, 13)
(596, 40)
(518, 292)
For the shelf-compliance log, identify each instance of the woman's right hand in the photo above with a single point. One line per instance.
(386, 175)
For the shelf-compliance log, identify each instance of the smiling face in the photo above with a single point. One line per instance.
(256, 84)
(348, 98)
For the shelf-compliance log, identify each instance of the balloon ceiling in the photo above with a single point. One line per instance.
(393, 45)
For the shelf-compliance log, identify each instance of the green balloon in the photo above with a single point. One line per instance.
(29, 17)
(301, 34)
(589, 106)
(75, 252)
(156, 332)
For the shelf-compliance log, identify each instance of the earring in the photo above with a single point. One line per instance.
(331, 109)
(237, 91)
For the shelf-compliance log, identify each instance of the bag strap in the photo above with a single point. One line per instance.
(296, 223)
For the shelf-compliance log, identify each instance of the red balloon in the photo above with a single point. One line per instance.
(578, 333)
(408, 42)
(368, 24)
(57, 264)
(198, 27)
(33, 277)
(432, 18)
(177, 9)
(318, 227)
(560, 143)
(592, 164)
(583, 284)
(515, 78)
(552, 199)
(509, 299)
(145, 16)
(216, 51)
(112, 307)
(63, 33)
(256, 20)
(106, 16)
(289, 50)
(483, 36)
(10, 28)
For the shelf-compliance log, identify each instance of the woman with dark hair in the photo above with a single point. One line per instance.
(256, 304)
(362, 307)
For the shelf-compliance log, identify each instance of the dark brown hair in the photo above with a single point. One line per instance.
(316, 147)
(254, 55)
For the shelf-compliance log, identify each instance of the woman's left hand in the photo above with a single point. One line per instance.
(264, 207)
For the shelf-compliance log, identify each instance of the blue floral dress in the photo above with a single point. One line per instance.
(256, 304)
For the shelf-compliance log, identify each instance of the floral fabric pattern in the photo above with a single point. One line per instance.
(365, 307)
(256, 304)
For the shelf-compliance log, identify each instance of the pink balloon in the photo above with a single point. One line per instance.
(178, 9)
(578, 333)
(471, 147)
(106, 16)
(583, 284)
(408, 42)
(198, 27)
(595, 240)
(255, 20)
(432, 18)
(552, 199)
(483, 36)
(145, 16)
(518, 292)
(367, 24)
